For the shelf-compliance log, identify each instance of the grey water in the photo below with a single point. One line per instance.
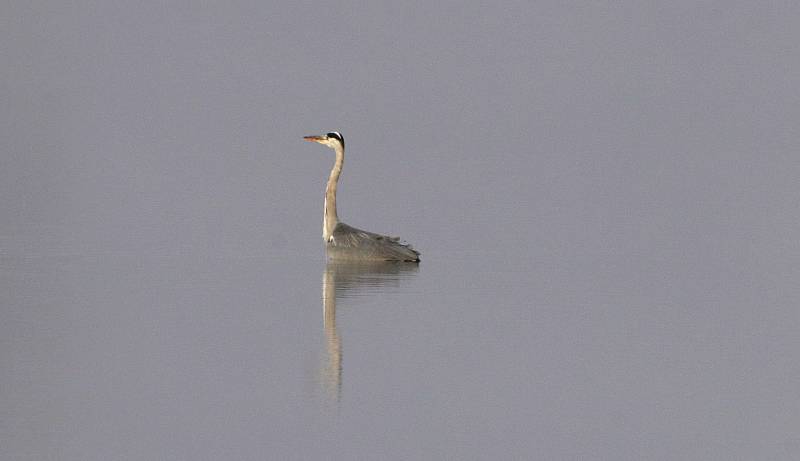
(605, 196)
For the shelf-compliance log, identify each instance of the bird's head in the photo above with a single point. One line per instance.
(332, 139)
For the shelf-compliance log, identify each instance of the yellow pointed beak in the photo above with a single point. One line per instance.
(319, 139)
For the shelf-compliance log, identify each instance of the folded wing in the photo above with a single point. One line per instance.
(348, 242)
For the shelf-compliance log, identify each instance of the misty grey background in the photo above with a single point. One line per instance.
(605, 196)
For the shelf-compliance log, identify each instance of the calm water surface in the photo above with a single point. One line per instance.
(605, 195)
(134, 356)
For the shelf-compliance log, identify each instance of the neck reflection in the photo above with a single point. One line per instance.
(343, 280)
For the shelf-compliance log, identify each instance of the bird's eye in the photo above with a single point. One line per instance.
(337, 136)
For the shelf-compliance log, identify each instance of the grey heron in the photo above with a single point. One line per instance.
(347, 242)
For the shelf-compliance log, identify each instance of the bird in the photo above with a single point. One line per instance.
(346, 242)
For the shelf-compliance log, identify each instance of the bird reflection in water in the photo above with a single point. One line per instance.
(344, 280)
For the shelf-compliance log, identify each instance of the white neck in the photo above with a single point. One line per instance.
(331, 219)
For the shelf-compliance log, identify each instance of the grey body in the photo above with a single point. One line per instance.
(347, 242)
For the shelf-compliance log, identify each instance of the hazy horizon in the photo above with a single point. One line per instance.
(605, 197)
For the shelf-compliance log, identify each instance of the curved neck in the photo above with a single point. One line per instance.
(331, 218)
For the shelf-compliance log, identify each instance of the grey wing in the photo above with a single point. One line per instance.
(349, 242)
